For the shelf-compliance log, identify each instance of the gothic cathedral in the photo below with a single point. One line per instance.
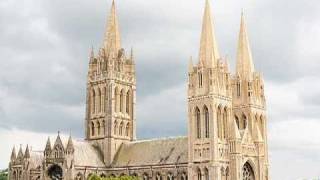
(227, 124)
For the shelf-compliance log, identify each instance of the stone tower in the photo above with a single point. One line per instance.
(249, 108)
(111, 93)
(209, 107)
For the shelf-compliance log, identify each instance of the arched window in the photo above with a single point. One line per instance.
(170, 176)
(93, 101)
(237, 121)
(92, 129)
(128, 102)
(207, 122)
(247, 172)
(200, 79)
(121, 100)
(238, 89)
(98, 127)
(127, 130)
(98, 100)
(158, 176)
(116, 99)
(225, 120)
(198, 121)
(244, 122)
(206, 174)
(219, 118)
(115, 128)
(120, 128)
(199, 174)
(184, 176)
(145, 176)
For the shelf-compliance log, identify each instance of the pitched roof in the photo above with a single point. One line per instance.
(36, 159)
(87, 155)
(152, 152)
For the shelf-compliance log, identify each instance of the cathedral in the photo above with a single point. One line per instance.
(227, 121)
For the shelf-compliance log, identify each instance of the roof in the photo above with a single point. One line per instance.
(87, 155)
(36, 159)
(152, 152)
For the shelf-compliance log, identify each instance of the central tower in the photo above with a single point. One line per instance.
(111, 94)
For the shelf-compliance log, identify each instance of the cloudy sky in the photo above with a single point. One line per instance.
(44, 47)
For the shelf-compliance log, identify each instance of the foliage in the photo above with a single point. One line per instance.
(4, 175)
(96, 177)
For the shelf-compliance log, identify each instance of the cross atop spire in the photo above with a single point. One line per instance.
(245, 65)
(112, 41)
(209, 53)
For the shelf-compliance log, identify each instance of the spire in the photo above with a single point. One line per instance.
(27, 152)
(70, 144)
(58, 141)
(209, 53)
(190, 65)
(48, 145)
(245, 65)
(13, 154)
(112, 36)
(20, 153)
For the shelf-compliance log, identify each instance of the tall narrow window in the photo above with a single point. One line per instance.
(200, 79)
(198, 120)
(98, 100)
(128, 102)
(219, 122)
(237, 121)
(121, 101)
(206, 174)
(116, 100)
(127, 130)
(238, 89)
(207, 122)
(115, 128)
(92, 129)
(244, 122)
(199, 174)
(121, 128)
(225, 120)
(93, 101)
(98, 127)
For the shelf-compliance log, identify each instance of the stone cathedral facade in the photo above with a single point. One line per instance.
(227, 124)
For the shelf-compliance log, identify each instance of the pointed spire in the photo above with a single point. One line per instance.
(20, 153)
(48, 145)
(112, 41)
(245, 66)
(13, 153)
(209, 53)
(70, 144)
(190, 64)
(58, 141)
(27, 152)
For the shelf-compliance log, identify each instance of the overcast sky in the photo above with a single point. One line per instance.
(44, 48)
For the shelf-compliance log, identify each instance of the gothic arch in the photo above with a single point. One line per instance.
(115, 128)
(116, 99)
(145, 176)
(225, 122)
(219, 121)
(128, 129)
(98, 99)
(248, 172)
(121, 129)
(92, 129)
(199, 175)
(93, 101)
(121, 100)
(170, 176)
(206, 121)
(55, 172)
(158, 176)
(237, 121)
(98, 128)
(198, 122)
(206, 174)
(128, 102)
